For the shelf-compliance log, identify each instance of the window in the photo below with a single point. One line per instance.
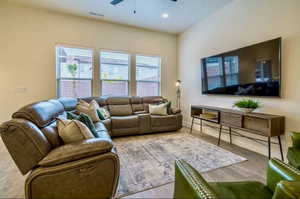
(214, 69)
(147, 75)
(231, 64)
(74, 72)
(222, 71)
(114, 73)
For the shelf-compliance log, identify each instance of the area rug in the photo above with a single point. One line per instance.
(148, 161)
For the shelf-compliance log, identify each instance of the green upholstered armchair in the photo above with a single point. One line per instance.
(293, 154)
(283, 182)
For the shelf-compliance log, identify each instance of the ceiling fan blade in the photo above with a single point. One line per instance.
(115, 2)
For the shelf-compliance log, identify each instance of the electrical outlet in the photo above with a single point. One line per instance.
(21, 90)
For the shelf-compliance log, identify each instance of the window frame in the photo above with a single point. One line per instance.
(129, 70)
(58, 69)
(149, 81)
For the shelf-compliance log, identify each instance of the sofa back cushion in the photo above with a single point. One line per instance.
(68, 103)
(120, 110)
(119, 106)
(100, 100)
(137, 104)
(41, 113)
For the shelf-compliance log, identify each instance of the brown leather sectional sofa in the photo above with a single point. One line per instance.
(85, 169)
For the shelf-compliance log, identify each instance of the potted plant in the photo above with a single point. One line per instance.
(247, 105)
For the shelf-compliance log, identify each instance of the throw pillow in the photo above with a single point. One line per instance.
(160, 109)
(89, 109)
(85, 119)
(105, 113)
(100, 115)
(169, 108)
(73, 131)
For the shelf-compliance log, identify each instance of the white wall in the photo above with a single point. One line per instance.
(241, 23)
(27, 54)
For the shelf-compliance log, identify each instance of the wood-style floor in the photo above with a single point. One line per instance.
(253, 169)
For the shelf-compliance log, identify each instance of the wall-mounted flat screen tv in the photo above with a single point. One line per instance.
(250, 71)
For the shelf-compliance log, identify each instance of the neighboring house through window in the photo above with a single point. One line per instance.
(74, 67)
(120, 73)
(147, 75)
(114, 73)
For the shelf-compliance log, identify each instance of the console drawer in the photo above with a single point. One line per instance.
(231, 119)
(257, 124)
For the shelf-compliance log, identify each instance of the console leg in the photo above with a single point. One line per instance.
(192, 125)
(269, 147)
(220, 135)
(230, 137)
(201, 125)
(280, 146)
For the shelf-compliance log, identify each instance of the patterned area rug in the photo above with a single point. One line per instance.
(148, 161)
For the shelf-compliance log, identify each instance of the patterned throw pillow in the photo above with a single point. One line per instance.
(73, 131)
(159, 109)
(104, 113)
(89, 108)
(84, 119)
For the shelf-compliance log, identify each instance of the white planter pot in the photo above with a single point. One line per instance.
(247, 110)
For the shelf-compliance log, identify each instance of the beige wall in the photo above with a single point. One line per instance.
(27, 54)
(239, 24)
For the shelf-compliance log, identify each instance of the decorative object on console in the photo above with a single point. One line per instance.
(247, 105)
(178, 85)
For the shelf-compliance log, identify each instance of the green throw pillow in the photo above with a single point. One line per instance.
(84, 118)
(169, 110)
(100, 115)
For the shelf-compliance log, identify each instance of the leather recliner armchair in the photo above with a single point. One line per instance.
(283, 182)
(293, 154)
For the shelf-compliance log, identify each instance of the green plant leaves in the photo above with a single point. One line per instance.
(247, 103)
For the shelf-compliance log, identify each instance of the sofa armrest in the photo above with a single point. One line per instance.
(92, 177)
(296, 139)
(287, 190)
(190, 184)
(278, 171)
(76, 151)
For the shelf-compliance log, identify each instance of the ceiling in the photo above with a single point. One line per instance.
(182, 14)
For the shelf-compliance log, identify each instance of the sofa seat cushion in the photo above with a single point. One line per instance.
(103, 134)
(107, 124)
(130, 121)
(99, 126)
(168, 120)
(77, 150)
(241, 190)
(293, 156)
(140, 112)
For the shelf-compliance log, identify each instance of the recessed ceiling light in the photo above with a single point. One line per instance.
(165, 15)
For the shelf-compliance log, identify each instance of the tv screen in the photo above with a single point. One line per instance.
(250, 71)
